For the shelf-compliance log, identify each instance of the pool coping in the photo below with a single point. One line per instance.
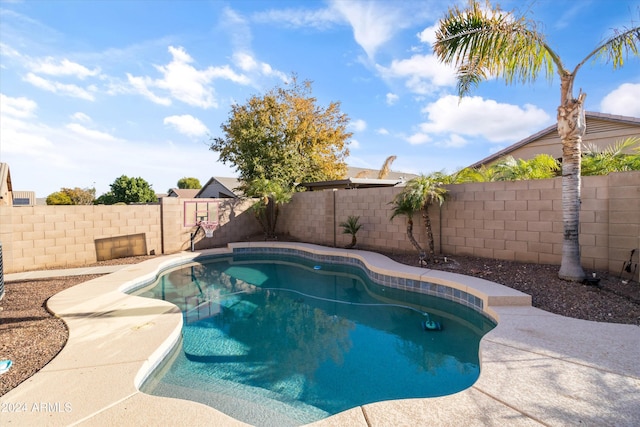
(537, 367)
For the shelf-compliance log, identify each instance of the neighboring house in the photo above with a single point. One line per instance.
(351, 183)
(185, 193)
(6, 190)
(24, 198)
(10, 197)
(361, 178)
(220, 188)
(603, 130)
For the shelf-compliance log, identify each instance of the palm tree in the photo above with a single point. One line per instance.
(271, 195)
(483, 41)
(622, 156)
(386, 167)
(425, 190)
(542, 166)
(384, 171)
(351, 226)
(405, 205)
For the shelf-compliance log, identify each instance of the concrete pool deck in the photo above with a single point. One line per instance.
(537, 368)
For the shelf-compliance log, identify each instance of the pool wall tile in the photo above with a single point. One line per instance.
(398, 282)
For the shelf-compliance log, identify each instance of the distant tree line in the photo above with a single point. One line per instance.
(124, 190)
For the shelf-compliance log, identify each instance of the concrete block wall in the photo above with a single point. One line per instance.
(236, 223)
(519, 221)
(316, 217)
(36, 237)
(623, 195)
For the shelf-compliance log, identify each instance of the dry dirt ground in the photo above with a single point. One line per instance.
(30, 336)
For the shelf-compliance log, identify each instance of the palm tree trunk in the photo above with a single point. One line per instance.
(412, 239)
(427, 224)
(571, 127)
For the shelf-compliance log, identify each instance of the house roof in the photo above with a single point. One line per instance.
(553, 128)
(227, 183)
(355, 177)
(351, 183)
(187, 193)
(5, 185)
(355, 172)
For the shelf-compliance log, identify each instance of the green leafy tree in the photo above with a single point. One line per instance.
(128, 190)
(482, 41)
(72, 196)
(59, 198)
(189, 183)
(284, 136)
(81, 196)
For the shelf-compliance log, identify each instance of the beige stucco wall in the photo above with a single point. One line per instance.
(519, 221)
(51, 236)
(39, 237)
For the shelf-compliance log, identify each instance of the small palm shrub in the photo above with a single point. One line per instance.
(351, 226)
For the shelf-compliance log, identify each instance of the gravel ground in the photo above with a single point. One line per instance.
(30, 336)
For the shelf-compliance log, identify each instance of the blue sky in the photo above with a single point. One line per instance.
(92, 90)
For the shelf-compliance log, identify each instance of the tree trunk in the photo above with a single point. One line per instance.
(571, 127)
(427, 224)
(412, 239)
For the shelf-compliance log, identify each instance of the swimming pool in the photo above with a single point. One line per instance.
(279, 339)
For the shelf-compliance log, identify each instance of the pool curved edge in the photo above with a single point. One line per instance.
(116, 340)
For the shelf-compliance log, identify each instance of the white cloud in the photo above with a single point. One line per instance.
(20, 133)
(477, 117)
(428, 35)
(184, 82)
(392, 98)
(74, 155)
(320, 19)
(373, 23)
(187, 125)
(247, 63)
(422, 73)
(454, 140)
(17, 107)
(418, 138)
(80, 117)
(382, 131)
(140, 86)
(358, 125)
(625, 101)
(57, 87)
(354, 143)
(90, 133)
(65, 67)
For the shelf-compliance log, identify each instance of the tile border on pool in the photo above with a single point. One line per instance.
(392, 281)
(478, 294)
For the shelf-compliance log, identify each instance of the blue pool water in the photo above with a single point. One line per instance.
(284, 341)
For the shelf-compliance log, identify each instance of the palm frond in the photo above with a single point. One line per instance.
(386, 167)
(617, 48)
(482, 42)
